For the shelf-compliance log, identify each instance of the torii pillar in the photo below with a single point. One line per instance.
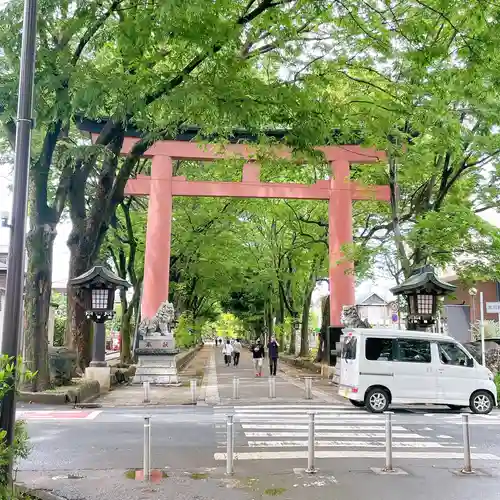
(341, 271)
(158, 236)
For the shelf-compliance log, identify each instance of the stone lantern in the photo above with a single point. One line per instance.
(98, 287)
(421, 291)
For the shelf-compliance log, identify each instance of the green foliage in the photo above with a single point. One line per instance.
(59, 331)
(186, 331)
(497, 383)
(59, 303)
(229, 326)
(20, 448)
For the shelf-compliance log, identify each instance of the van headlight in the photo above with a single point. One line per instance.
(490, 375)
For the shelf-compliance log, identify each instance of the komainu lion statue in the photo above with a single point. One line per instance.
(350, 318)
(159, 324)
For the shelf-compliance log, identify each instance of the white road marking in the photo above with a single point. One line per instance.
(93, 415)
(318, 411)
(356, 435)
(305, 420)
(322, 427)
(340, 432)
(348, 444)
(300, 407)
(290, 455)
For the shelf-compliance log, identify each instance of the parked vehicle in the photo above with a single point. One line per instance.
(381, 367)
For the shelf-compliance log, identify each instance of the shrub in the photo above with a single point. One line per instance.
(491, 330)
(497, 383)
(20, 447)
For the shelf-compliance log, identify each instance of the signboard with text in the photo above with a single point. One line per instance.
(493, 307)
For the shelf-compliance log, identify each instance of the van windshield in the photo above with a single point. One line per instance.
(349, 349)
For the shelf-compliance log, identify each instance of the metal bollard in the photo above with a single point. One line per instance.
(308, 384)
(388, 441)
(147, 449)
(230, 442)
(467, 456)
(145, 386)
(236, 388)
(192, 385)
(310, 445)
(272, 387)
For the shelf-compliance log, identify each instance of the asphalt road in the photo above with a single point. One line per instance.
(271, 441)
(270, 446)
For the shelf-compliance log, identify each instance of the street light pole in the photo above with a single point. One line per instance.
(15, 263)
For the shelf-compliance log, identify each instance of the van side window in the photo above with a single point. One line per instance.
(413, 351)
(378, 349)
(451, 354)
(349, 349)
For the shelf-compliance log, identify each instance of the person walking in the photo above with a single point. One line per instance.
(273, 348)
(236, 352)
(258, 357)
(227, 350)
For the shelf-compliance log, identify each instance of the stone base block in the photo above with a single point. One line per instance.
(101, 374)
(156, 379)
(156, 369)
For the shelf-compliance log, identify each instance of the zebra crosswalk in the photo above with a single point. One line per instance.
(275, 431)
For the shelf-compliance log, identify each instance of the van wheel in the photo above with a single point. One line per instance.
(357, 404)
(481, 402)
(377, 400)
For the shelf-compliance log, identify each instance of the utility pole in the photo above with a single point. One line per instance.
(15, 263)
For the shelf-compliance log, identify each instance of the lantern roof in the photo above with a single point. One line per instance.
(424, 280)
(99, 275)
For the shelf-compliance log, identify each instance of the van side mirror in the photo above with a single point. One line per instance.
(470, 362)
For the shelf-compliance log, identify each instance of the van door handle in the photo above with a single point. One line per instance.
(441, 370)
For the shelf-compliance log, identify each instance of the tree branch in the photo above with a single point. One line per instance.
(92, 30)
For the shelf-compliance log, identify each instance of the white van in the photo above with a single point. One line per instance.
(382, 367)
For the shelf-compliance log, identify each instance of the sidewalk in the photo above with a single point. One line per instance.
(290, 385)
(133, 395)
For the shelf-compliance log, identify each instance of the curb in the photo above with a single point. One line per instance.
(39, 494)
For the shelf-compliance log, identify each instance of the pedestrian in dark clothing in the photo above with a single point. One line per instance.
(258, 357)
(273, 348)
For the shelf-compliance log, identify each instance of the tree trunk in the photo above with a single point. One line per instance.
(269, 320)
(280, 322)
(304, 332)
(40, 245)
(126, 335)
(325, 323)
(293, 338)
(311, 283)
(79, 332)
(126, 330)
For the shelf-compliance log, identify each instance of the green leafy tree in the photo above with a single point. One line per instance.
(124, 247)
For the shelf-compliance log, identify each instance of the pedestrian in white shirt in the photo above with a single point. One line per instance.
(227, 350)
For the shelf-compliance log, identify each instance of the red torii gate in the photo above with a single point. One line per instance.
(162, 186)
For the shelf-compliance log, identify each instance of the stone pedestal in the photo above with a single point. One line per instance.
(157, 361)
(100, 373)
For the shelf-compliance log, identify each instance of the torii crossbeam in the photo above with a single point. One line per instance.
(162, 186)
